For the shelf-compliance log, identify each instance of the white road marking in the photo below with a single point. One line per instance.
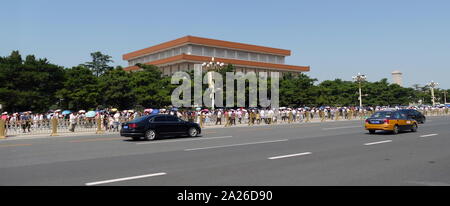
(291, 155)
(233, 145)
(124, 179)
(185, 140)
(374, 143)
(333, 128)
(429, 135)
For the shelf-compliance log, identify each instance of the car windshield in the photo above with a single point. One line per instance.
(382, 115)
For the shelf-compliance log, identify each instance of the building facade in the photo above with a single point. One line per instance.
(181, 55)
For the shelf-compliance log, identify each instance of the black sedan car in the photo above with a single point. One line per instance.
(152, 126)
(414, 114)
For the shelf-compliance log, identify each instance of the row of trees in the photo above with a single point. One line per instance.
(38, 85)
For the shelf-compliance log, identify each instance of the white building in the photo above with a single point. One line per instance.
(397, 77)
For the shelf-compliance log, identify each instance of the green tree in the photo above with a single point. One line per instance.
(81, 89)
(30, 84)
(337, 93)
(116, 90)
(150, 88)
(297, 90)
(99, 64)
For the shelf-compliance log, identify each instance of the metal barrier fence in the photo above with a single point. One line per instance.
(91, 124)
(62, 126)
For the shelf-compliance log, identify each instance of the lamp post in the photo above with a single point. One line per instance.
(445, 96)
(360, 78)
(433, 85)
(212, 66)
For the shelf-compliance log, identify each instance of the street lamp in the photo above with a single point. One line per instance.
(360, 78)
(433, 85)
(212, 66)
(445, 97)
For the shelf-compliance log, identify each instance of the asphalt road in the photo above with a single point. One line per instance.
(333, 153)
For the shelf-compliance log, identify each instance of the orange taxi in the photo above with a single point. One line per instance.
(393, 121)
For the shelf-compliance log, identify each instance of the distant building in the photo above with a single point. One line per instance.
(397, 77)
(181, 55)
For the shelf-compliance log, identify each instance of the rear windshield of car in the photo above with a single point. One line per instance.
(139, 119)
(382, 115)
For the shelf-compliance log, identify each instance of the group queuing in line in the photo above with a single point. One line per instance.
(111, 119)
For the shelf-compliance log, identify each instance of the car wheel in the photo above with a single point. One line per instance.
(193, 132)
(395, 131)
(414, 128)
(150, 135)
(372, 131)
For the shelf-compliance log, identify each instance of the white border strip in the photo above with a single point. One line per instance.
(124, 179)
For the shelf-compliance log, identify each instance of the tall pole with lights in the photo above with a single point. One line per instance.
(212, 66)
(433, 85)
(360, 78)
(445, 97)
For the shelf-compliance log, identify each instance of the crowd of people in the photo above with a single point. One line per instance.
(251, 116)
(111, 119)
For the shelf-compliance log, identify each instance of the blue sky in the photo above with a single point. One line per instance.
(336, 38)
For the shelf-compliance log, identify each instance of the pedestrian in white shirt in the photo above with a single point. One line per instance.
(36, 121)
(73, 121)
(116, 121)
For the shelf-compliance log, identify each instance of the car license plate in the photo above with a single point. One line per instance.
(125, 127)
(375, 122)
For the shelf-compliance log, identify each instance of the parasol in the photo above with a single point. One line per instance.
(90, 114)
(66, 112)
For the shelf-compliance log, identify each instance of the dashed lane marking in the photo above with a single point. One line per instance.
(288, 156)
(185, 140)
(234, 145)
(429, 135)
(375, 143)
(125, 179)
